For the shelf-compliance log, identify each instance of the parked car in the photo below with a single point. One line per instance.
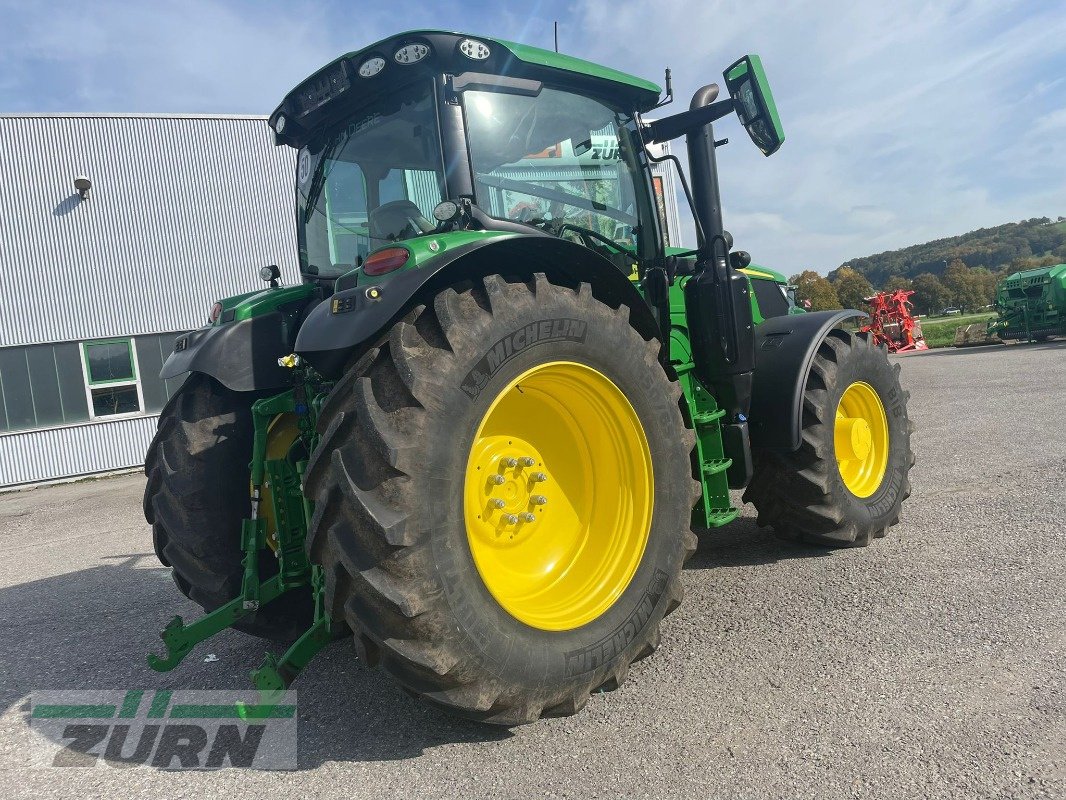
(948, 312)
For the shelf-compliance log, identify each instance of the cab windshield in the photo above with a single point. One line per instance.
(373, 181)
(561, 161)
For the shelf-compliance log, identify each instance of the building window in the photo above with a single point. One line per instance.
(111, 382)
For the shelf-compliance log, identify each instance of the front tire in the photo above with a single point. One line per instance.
(848, 480)
(433, 594)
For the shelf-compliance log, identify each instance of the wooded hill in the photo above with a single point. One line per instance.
(1004, 247)
(960, 271)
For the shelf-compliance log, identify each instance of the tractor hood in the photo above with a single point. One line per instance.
(358, 77)
(758, 271)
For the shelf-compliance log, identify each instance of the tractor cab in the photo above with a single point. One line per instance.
(423, 147)
(429, 133)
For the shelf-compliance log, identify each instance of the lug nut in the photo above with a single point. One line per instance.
(528, 517)
(510, 519)
(510, 463)
(539, 477)
(497, 503)
(497, 479)
(538, 500)
(527, 461)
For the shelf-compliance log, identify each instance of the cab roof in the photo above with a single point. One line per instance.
(541, 57)
(444, 54)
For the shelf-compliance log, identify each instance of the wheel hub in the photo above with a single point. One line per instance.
(855, 439)
(515, 489)
(861, 439)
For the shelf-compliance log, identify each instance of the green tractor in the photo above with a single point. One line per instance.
(479, 434)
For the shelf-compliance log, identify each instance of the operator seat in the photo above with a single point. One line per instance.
(394, 221)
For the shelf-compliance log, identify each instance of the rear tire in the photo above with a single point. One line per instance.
(393, 532)
(196, 497)
(803, 495)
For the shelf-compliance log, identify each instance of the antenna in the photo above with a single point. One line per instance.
(669, 96)
(556, 36)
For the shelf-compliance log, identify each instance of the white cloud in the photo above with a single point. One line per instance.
(906, 121)
(1048, 124)
(165, 57)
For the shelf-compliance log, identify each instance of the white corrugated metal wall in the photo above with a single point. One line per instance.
(183, 210)
(51, 453)
(668, 173)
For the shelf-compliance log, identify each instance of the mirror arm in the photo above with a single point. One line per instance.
(676, 126)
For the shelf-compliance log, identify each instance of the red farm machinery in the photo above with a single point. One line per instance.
(892, 323)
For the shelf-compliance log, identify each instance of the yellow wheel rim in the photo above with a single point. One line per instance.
(861, 439)
(284, 430)
(558, 496)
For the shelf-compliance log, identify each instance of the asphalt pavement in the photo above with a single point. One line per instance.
(930, 664)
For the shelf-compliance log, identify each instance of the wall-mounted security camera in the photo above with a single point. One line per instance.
(82, 185)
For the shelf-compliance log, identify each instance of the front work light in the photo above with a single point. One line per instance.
(270, 273)
(411, 53)
(472, 48)
(445, 211)
(371, 67)
(279, 123)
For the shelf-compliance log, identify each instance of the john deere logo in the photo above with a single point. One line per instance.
(547, 330)
(164, 730)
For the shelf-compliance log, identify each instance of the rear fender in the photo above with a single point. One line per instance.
(242, 355)
(241, 349)
(354, 319)
(784, 351)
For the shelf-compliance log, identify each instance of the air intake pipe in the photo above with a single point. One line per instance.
(717, 298)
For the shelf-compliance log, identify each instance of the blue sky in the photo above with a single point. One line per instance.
(906, 121)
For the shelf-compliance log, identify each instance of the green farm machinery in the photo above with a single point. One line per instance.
(477, 437)
(1031, 305)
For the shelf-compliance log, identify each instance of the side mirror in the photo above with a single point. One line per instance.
(754, 103)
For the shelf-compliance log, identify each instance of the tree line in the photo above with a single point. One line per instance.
(966, 278)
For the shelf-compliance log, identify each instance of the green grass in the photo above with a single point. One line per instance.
(940, 331)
